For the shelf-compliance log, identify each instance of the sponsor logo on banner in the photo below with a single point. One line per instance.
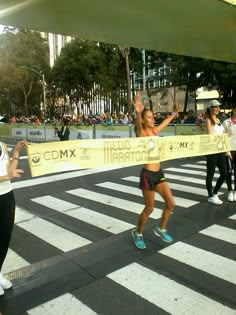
(36, 159)
(60, 155)
(180, 145)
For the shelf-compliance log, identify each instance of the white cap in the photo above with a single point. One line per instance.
(213, 103)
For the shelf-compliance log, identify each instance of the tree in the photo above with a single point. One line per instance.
(221, 76)
(86, 69)
(125, 51)
(183, 74)
(22, 48)
(74, 70)
(187, 72)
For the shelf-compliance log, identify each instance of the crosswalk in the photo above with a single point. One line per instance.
(109, 207)
(161, 289)
(168, 295)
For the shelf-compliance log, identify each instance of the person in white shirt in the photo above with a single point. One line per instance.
(230, 127)
(8, 170)
(214, 126)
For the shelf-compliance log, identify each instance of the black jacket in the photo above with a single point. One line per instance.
(64, 133)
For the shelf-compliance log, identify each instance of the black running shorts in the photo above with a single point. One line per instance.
(149, 179)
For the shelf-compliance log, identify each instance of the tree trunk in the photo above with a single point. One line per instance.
(26, 94)
(26, 105)
(126, 52)
(186, 100)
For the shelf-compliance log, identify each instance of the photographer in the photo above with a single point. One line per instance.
(64, 132)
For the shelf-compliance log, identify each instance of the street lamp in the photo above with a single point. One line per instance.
(41, 74)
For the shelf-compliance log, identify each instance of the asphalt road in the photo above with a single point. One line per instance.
(72, 251)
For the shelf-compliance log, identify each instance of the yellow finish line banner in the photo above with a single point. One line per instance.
(46, 158)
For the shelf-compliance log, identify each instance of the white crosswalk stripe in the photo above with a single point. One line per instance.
(65, 304)
(159, 289)
(92, 217)
(202, 260)
(186, 171)
(189, 179)
(166, 293)
(58, 237)
(221, 232)
(233, 217)
(180, 187)
(182, 202)
(13, 261)
(198, 166)
(59, 177)
(112, 201)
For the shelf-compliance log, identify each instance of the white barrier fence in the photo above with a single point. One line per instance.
(45, 133)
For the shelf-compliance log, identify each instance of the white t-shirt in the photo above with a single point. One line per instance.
(230, 128)
(5, 186)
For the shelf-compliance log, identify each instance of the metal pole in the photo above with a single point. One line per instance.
(144, 70)
(44, 96)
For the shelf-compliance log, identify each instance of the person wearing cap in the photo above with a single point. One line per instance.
(214, 126)
(230, 127)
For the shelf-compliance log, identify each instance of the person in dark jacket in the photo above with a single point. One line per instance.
(191, 119)
(64, 132)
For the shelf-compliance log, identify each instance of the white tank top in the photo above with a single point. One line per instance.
(217, 128)
(5, 186)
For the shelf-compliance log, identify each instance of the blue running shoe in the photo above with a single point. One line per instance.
(138, 240)
(163, 235)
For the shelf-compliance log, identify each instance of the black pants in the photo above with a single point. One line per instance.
(215, 160)
(231, 165)
(7, 218)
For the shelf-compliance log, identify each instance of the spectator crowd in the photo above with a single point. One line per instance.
(112, 119)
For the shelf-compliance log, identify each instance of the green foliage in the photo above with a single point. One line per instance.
(22, 48)
(221, 76)
(86, 69)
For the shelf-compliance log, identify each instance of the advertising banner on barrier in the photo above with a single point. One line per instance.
(19, 132)
(36, 132)
(112, 132)
(42, 133)
(5, 131)
(46, 158)
(81, 132)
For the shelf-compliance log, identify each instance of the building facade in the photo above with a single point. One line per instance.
(55, 42)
